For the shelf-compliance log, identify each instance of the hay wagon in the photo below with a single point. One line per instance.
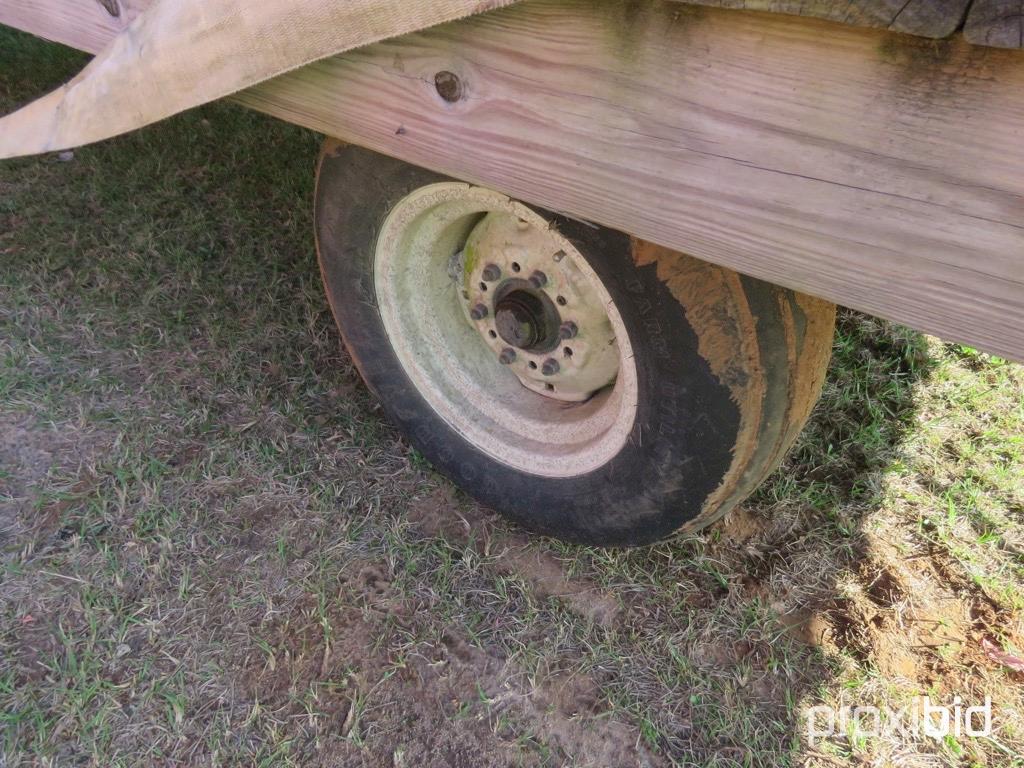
(587, 254)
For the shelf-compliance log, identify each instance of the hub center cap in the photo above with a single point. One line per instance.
(516, 325)
(527, 292)
(523, 319)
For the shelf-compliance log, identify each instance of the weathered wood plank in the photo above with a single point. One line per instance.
(878, 171)
(928, 18)
(86, 24)
(996, 22)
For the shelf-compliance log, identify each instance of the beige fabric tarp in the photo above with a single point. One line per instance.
(179, 54)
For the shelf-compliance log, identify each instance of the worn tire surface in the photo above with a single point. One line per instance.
(729, 368)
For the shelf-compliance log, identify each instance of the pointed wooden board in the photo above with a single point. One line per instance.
(179, 54)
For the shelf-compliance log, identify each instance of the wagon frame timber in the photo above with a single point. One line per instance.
(874, 169)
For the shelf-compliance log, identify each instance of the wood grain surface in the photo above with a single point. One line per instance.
(870, 168)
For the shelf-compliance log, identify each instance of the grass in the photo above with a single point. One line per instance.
(215, 550)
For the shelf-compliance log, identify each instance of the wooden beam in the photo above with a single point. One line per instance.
(86, 24)
(879, 171)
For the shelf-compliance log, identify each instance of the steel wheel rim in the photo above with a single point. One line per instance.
(452, 359)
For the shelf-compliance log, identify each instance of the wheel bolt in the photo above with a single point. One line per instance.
(492, 272)
(550, 367)
(538, 279)
(507, 356)
(479, 312)
(568, 330)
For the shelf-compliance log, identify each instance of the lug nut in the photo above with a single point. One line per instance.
(491, 273)
(479, 312)
(568, 330)
(507, 356)
(538, 279)
(550, 367)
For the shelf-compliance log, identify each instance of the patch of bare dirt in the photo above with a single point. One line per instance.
(378, 699)
(907, 617)
(437, 514)
(742, 525)
(29, 452)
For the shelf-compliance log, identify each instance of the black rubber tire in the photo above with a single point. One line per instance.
(728, 368)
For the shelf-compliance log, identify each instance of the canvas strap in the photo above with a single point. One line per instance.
(182, 53)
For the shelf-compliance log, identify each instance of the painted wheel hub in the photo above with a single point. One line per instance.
(527, 298)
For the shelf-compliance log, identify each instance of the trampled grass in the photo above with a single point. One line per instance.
(215, 550)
